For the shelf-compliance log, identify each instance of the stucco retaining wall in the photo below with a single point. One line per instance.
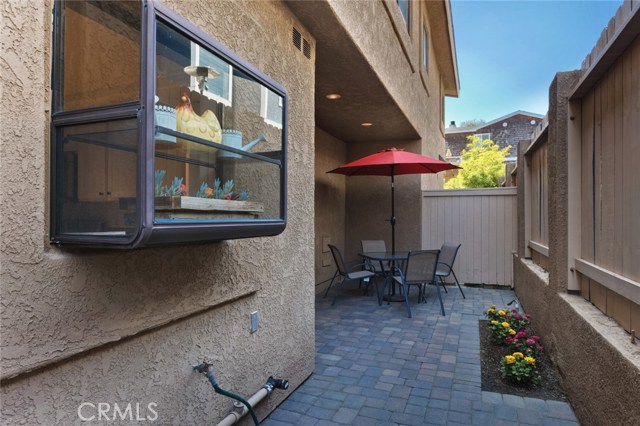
(598, 365)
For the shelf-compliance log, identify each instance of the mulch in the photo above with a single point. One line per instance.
(492, 381)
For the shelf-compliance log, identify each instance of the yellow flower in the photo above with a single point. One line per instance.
(510, 359)
(506, 324)
(512, 332)
(530, 360)
(502, 313)
(494, 322)
(518, 355)
(491, 310)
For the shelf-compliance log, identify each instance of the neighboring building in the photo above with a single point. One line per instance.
(576, 267)
(84, 326)
(504, 131)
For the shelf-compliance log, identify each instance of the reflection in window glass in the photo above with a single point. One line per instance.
(100, 53)
(218, 88)
(96, 179)
(218, 150)
(271, 107)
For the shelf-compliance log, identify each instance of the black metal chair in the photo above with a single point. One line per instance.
(419, 270)
(448, 254)
(368, 246)
(354, 272)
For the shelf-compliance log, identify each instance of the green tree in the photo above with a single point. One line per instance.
(474, 122)
(482, 165)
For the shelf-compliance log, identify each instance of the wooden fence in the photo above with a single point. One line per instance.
(536, 187)
(484, 221)
(609, 213)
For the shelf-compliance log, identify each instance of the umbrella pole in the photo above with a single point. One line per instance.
(393, 215)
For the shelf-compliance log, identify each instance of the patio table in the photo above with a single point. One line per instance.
(396, 259)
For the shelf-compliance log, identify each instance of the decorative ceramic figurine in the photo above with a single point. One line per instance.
(205, 126)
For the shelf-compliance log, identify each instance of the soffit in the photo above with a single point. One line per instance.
(342, 68)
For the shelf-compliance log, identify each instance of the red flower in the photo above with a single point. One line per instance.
(183, 188)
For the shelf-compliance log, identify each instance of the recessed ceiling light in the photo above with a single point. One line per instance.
(333, 96)
(366, 124)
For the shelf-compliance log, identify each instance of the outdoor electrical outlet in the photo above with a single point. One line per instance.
(255, 321)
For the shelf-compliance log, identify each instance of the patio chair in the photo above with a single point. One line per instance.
(353, 272)
(419, 270)
(448, 254)
(380, 268)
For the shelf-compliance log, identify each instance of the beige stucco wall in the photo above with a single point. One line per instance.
(395, 57)
(598, 365)
(330, 193)
(111, 326)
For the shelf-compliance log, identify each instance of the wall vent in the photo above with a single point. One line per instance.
(306, 48)
(301, 43)
(297, 39)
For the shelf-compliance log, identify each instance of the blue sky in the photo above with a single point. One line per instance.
(510, 50)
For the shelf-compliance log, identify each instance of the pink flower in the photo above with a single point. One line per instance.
(536, 338)
(531, 342)
(519, 317)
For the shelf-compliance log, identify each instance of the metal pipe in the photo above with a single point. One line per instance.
(243, 406)
(205, 368)
(240, 410)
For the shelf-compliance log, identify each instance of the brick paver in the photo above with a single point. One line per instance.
(376, 366)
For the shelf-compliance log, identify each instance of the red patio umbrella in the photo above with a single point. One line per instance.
(392, 162)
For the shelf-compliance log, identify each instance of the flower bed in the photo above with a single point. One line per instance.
(513, 359)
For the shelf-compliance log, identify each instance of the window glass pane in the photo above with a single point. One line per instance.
(404, 9)
(96, 179)
(425, 48)
(99, 53)
(217, 158)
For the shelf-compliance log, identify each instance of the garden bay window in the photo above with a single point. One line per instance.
(159, 134)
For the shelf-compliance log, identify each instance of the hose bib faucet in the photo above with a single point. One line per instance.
(242, 406)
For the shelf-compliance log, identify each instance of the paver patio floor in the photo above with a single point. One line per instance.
(376, 366)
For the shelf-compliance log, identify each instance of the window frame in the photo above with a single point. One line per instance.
(483, 136)
(148, 232)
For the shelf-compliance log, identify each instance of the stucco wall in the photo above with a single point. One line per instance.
(103, 326)
(330, 192)
(395, 57)
(598, 365)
